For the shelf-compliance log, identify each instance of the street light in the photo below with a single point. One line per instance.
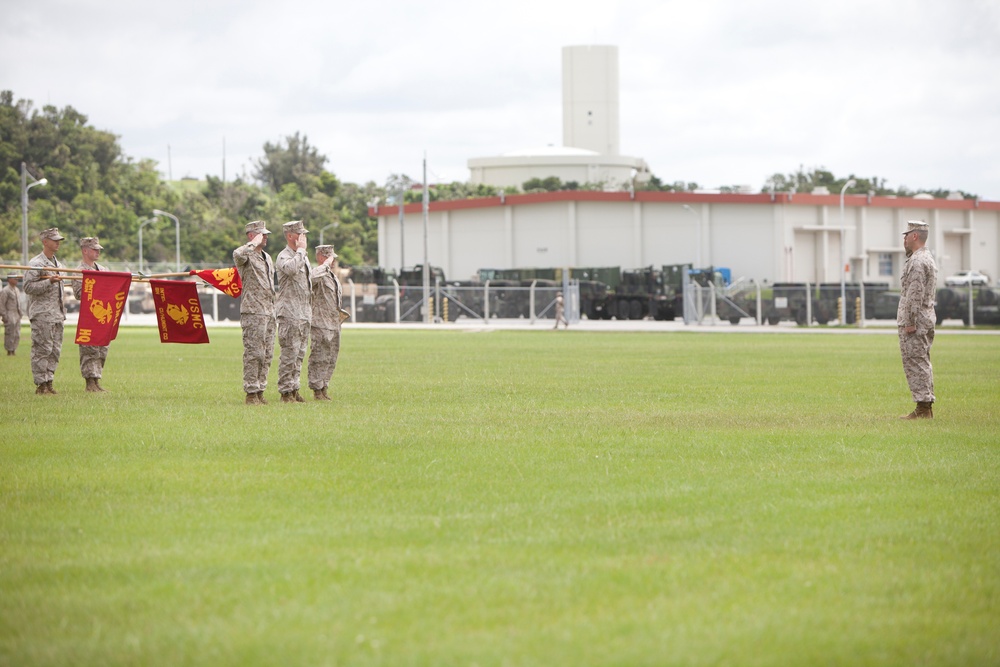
(177, 229)
(843, 286)
(333, 224)
(25, 186)
(695, 214)
(143, 223)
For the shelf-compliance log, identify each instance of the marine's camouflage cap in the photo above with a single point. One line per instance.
(295, 227)
(915, 226)
(91, 242)
(326, 250)
(51, 233)
(257, 227)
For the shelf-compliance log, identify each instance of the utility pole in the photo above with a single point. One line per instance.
(427, 274)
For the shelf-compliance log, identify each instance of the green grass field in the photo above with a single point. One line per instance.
(506, 498)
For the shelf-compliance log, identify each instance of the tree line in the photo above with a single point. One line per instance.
(95, 190)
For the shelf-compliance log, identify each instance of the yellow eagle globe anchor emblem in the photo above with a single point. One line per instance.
(178, 313)
(224, 276)
(104, 312)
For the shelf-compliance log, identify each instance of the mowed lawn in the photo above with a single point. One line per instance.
(506, 498)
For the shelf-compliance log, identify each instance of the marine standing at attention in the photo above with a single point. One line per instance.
(327, 300)
(92, 357)
(560, 311)
(10, 311)
(256, 310)
(916, 318)
(294, 310)
(46, 311)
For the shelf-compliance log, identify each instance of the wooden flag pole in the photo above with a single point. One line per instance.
(168, 275)
(40, 268)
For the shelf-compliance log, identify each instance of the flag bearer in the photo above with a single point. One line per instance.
(92, 357)
(46, 311)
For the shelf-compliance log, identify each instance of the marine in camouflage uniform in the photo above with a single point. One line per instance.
(256, 310)
(294, 310)
(560, 311)
(10, 311)
(324, 334)
(92, 357)
(915, 318)
(46, 311)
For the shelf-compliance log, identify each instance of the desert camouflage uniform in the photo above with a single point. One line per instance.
(560, 312)
(294, 313)
(92, 357)
(256, 315)
(46, 312)
(916, 308)
(327, 300)
(10, 311)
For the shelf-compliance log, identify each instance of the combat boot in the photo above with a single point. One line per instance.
(922, 411)
(326, 395)
(49, 388)
(42, 389)
(260, 398)
(320, 395)
(92, 384)
(298, 397)
(252, 399)
(288, 397)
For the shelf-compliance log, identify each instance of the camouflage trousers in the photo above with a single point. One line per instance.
(323, 353)
(915, 350)
(92, 360)
(46, 346)
(293, 337)
(258, 349)
(11, 335)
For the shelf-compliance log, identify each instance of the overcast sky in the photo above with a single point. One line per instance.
(722, 92)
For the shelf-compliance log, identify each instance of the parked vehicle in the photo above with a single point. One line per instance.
(964, 278)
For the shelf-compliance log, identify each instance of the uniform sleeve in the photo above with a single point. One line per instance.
(920, 291)
(35, 283)
(293, 264)
(242, 254)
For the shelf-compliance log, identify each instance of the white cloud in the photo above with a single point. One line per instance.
(719, 92)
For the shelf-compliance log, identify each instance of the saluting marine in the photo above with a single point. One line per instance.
(324, 334)
(256, 310)
(294, 310)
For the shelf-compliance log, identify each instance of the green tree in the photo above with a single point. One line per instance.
(296, 162)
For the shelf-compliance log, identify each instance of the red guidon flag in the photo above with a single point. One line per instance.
(178, 312)
(102, 302)
(224, 280)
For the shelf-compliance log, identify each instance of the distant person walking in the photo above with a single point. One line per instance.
(294, 310)
(92, 357)
(46, 311)
(10, 311)
(915, 318)
(324, 333)
(256, 310)
(560, 311)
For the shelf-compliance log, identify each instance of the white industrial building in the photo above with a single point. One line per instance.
(774, 238)
(781, 237)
